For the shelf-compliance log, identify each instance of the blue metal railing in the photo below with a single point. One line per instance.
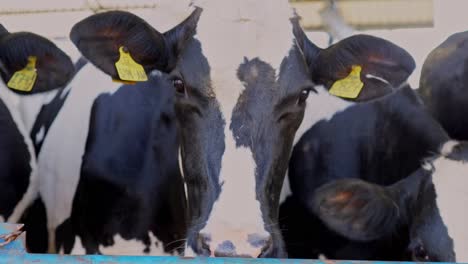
(15, 252)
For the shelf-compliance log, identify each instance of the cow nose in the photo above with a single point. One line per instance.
(263, 243)
(225, 249)
(253, 247)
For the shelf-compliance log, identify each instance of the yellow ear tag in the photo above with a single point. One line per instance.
(128, 69)
(349, 87)
(23, 80)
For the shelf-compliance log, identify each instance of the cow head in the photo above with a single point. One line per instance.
(429, 202)
(53, 67)
(241, 76)
(442, 86)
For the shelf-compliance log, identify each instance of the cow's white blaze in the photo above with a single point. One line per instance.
(60, 160)
(450, 180)
(229, 32)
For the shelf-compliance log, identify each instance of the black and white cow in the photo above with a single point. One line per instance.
(241, 72)
(380, 141)
(444, 84)
(19, 179)
(118, 180)
(110, 180)
(428, 201)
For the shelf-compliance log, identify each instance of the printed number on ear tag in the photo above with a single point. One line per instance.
(23, 80)
(349, 87)
(128, 69)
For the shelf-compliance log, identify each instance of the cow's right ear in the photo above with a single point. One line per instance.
(356, 209)
(99, 38)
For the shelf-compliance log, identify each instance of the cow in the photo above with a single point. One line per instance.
(428, 201)
(443, 82)
(115, 186)
(53, 69)
(241, 75)
(380, 140)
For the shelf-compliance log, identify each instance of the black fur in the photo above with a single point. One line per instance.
(381, 142)
(443, 83)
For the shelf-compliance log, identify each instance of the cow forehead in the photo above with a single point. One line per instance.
(229, 33)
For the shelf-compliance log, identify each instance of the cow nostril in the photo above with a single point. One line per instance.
(225, 249)
(264, 243)
(203, 245)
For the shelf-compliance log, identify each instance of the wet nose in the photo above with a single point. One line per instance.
(251, 246)
(225, 249)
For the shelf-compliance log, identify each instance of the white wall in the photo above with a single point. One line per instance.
(449, 17)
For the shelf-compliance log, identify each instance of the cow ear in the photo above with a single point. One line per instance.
(3, 31)
(309, 50)
(356, 209)
(53, 67)
(383, 65)
(99, 38)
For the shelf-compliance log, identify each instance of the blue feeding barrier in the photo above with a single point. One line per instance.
(15, 252)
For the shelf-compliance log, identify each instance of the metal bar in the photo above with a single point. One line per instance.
(101, 259)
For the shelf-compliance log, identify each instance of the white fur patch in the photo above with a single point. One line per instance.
(183, 176)
(63, 148)
(121, 246)
(371, 76)
(230, 31)
(285, 189)
(320, 106)
(451, 184)
(188, 252)
(30, 106)
(448, 147)
(40, 135)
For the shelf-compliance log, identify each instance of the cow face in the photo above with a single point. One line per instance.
(424, 202)
(241, 75)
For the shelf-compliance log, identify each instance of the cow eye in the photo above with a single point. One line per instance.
(179, 85)
(304, 95)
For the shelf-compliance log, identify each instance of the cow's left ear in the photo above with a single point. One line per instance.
(53, 67)
(102, 37)
(356, 209)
